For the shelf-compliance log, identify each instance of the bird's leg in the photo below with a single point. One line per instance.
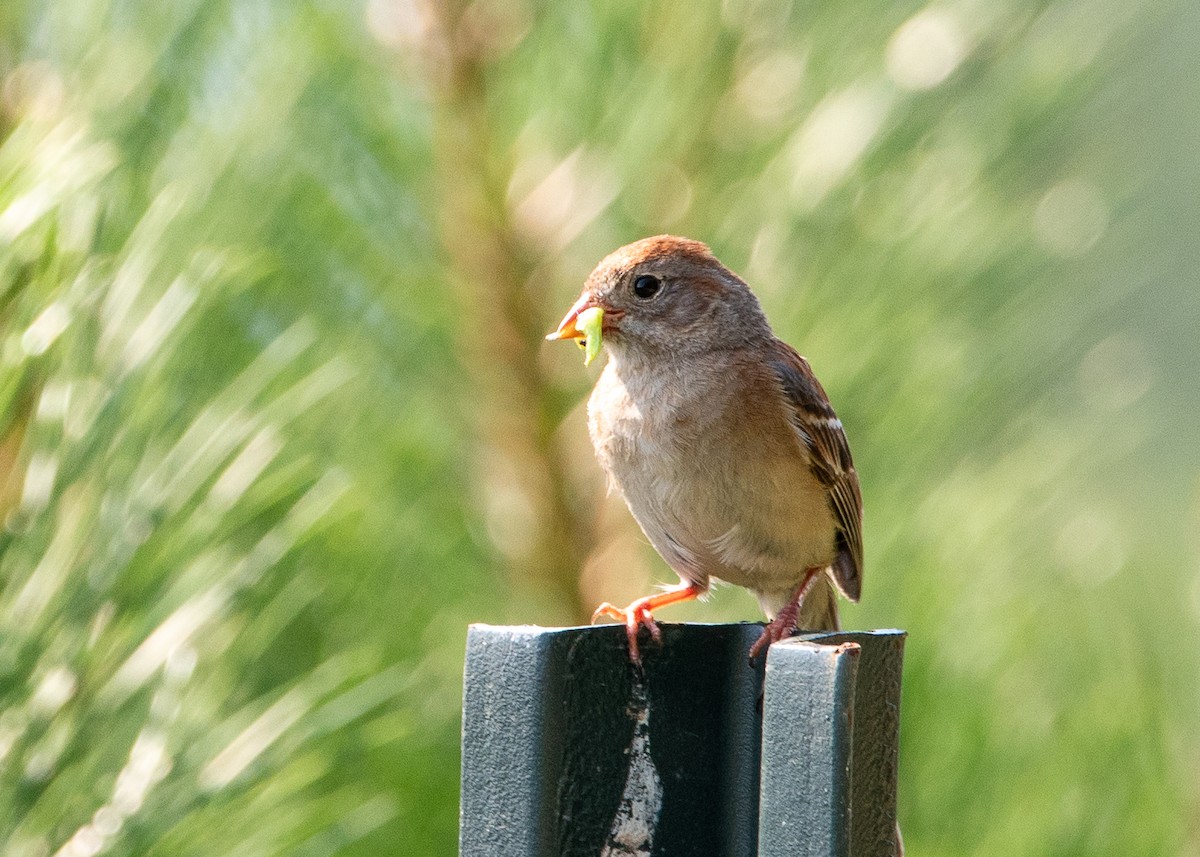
(638, 613)
(784, 622)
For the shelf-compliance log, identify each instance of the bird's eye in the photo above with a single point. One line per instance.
(646, 286)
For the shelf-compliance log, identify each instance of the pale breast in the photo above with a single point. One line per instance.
(715, 493)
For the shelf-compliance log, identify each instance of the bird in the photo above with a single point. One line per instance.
(720, 439)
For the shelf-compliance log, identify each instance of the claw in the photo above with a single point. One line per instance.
(772, 633)
(638, 615)
(784, 623)
(634, 617)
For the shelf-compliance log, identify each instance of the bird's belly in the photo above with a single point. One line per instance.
(756, 519)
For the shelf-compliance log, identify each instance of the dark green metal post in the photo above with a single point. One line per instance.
(831, 724)
(570, 750)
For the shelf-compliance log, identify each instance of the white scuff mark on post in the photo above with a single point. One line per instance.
(633, 828)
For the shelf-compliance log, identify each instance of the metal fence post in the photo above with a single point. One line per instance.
(831, 723)
(568, 750)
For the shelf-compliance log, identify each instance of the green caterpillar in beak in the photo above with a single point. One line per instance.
(588, 323)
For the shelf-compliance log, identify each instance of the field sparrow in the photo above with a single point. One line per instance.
(719, 437)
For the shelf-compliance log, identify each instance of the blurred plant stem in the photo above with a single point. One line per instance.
(543, 536)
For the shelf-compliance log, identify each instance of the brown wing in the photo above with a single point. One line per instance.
(818, 425)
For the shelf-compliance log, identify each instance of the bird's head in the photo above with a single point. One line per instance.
(663, 297)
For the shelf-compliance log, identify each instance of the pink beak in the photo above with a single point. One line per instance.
(566, 328)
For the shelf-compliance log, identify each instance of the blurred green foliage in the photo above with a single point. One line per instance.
(249, 500)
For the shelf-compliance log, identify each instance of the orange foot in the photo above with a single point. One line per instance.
(784, 623)
(637, 614)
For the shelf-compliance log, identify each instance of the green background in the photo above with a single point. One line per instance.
(278, 423)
